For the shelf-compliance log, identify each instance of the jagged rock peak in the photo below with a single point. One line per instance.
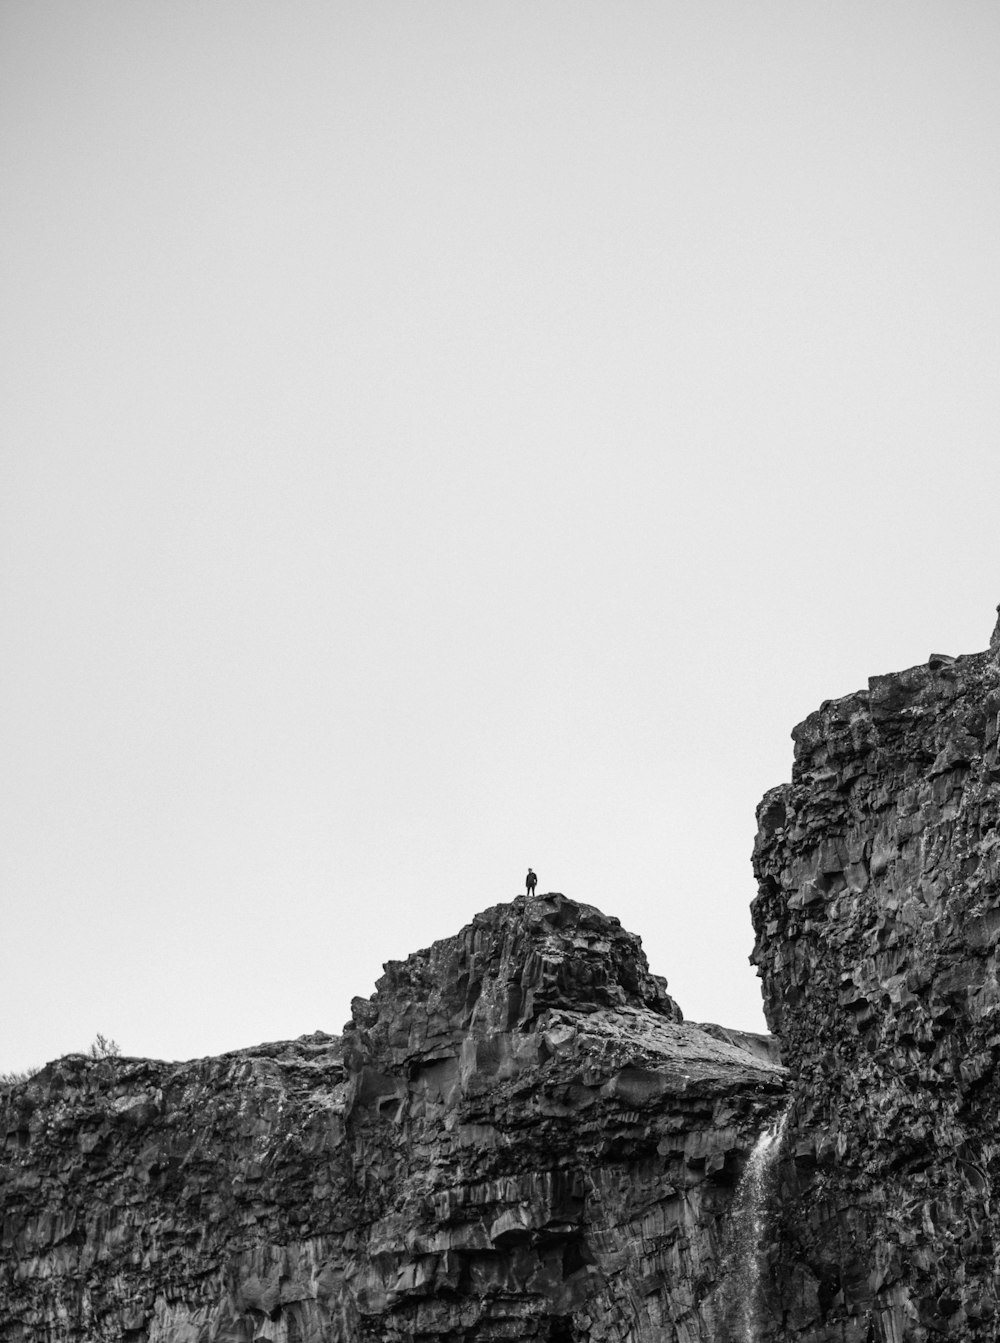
(508, 968)
(519, 1140)
(842, 729)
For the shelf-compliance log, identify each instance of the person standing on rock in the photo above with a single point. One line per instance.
(530, 882)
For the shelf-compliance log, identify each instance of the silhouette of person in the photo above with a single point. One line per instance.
(530, 882)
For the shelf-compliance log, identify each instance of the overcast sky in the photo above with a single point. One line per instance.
(443, 437)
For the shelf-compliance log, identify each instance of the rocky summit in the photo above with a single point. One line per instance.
(518, 1137)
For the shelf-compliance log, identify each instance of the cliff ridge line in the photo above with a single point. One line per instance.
(877, 927)
(516, 1136)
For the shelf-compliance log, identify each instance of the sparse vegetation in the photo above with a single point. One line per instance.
(104, 1048)
(13, 1078)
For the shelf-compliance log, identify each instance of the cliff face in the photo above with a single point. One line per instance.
(517, 1137)
(878, 923)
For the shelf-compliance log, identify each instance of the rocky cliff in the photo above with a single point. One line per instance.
(517, 1137)
(878, 924)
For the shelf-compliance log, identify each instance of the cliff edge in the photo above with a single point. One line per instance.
(877, 929)
(516, 1137)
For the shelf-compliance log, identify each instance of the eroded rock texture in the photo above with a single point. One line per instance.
(877, 923)
(516, 1138)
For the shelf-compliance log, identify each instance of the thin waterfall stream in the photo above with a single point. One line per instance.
(744, 1265)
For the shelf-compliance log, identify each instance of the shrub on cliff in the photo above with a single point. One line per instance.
(11, 1079)
(104, 1048)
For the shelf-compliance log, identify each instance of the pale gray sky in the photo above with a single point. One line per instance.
(438, 438)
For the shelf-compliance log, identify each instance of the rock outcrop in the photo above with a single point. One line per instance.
(517, 1138)
(878, 924)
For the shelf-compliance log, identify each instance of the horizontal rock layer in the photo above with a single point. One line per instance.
(878, 922)
(517, 1137)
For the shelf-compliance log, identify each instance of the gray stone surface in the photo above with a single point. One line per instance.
(878, 922)
(517, 1137)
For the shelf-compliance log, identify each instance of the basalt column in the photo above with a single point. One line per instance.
(516, 1137)
(877, 923)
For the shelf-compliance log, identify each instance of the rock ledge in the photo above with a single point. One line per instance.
(517, 1137)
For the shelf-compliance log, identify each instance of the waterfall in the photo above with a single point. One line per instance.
(742, 1267)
